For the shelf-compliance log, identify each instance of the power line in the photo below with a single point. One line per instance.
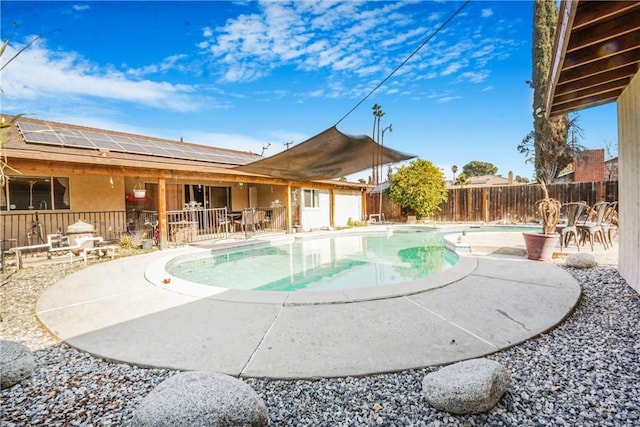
(444, 24)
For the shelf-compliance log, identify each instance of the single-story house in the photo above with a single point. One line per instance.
(596, 60)
(60, 173)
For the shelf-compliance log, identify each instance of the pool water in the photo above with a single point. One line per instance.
(320, 264)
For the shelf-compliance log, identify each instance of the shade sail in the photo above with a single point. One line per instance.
(328, 155)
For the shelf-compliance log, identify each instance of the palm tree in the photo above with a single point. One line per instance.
(377, 115)
(454, 169)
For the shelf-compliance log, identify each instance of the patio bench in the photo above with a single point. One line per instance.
(109, 250)
(19, 250)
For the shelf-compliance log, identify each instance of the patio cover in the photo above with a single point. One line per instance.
(328, 155)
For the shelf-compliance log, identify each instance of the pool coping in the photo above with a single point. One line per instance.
(156, 274)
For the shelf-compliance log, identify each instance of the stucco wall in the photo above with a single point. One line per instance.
(629, 177)
(314, 218)
(95, 193)
(348, 205)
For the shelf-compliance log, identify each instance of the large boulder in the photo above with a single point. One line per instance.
(16, 363)
(202, 399)
(468, 387)
(580, 260)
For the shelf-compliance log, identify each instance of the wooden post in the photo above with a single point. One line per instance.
(485, 208)
(162, 212)
(332, 204)
(455, 204)
(289, 209)
(364, 204)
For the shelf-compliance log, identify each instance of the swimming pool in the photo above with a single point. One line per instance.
(336, 262)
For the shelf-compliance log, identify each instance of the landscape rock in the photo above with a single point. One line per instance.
(581, 260)
(468, 387)
(202, 399)
(16, 363)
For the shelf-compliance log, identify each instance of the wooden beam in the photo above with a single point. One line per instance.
(566, 17)
(596, 79)
(52, 168)
(602, 50)
(162, 212)
(608, 30)
(579, 105)
(601, 66)
(290, 210)
(593, 91)
(592, 12)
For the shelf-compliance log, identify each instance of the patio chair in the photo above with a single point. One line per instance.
(223, 222)
(610, 222)
(259, 219)
(573, 211)
(592, 230)
(247, 220)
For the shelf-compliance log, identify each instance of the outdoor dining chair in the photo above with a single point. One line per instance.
(610, 222)
(223, 222)
(247, 220)
(259, 217)
(592, 230)
(572, 211)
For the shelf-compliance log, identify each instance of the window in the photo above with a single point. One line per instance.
(311, 198)
(35, 193)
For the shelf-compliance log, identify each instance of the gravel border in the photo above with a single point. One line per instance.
(584, 372)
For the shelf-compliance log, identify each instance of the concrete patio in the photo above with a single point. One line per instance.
(494, 298)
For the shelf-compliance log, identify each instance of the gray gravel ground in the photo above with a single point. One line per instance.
(585, 372)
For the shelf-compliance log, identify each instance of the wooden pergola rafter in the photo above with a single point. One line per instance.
(597, 53)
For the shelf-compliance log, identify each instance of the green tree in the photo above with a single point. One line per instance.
(477, 168)
(461, 180)
(454, 169)
(419, 187)
(546, 146)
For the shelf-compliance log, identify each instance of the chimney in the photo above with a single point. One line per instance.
(510, 178)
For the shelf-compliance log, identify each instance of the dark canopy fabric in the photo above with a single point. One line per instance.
(328, 155)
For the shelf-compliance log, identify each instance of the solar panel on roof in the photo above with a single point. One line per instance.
(27, 127)
(70, 132)
(108, 145)
(77, 142)
(157, 151)
(80, 138)
(133, 148)
(46, 138)
(120, 138)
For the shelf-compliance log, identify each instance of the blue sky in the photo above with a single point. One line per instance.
(245, 74)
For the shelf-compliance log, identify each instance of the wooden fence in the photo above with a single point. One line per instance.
(508, 204)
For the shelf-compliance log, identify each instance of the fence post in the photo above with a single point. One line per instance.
(485, 207)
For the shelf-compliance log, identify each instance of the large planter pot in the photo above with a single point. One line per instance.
(540, 246)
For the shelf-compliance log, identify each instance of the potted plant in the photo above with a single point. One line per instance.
(540, 246)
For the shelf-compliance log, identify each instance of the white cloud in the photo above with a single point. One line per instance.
(240, 142)
(38, 73)
(446, 99)
(350, 40)
(486, 13)
(224, 140)
(452, 68)
(474, 76)
(168, 64)
(80, 7)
